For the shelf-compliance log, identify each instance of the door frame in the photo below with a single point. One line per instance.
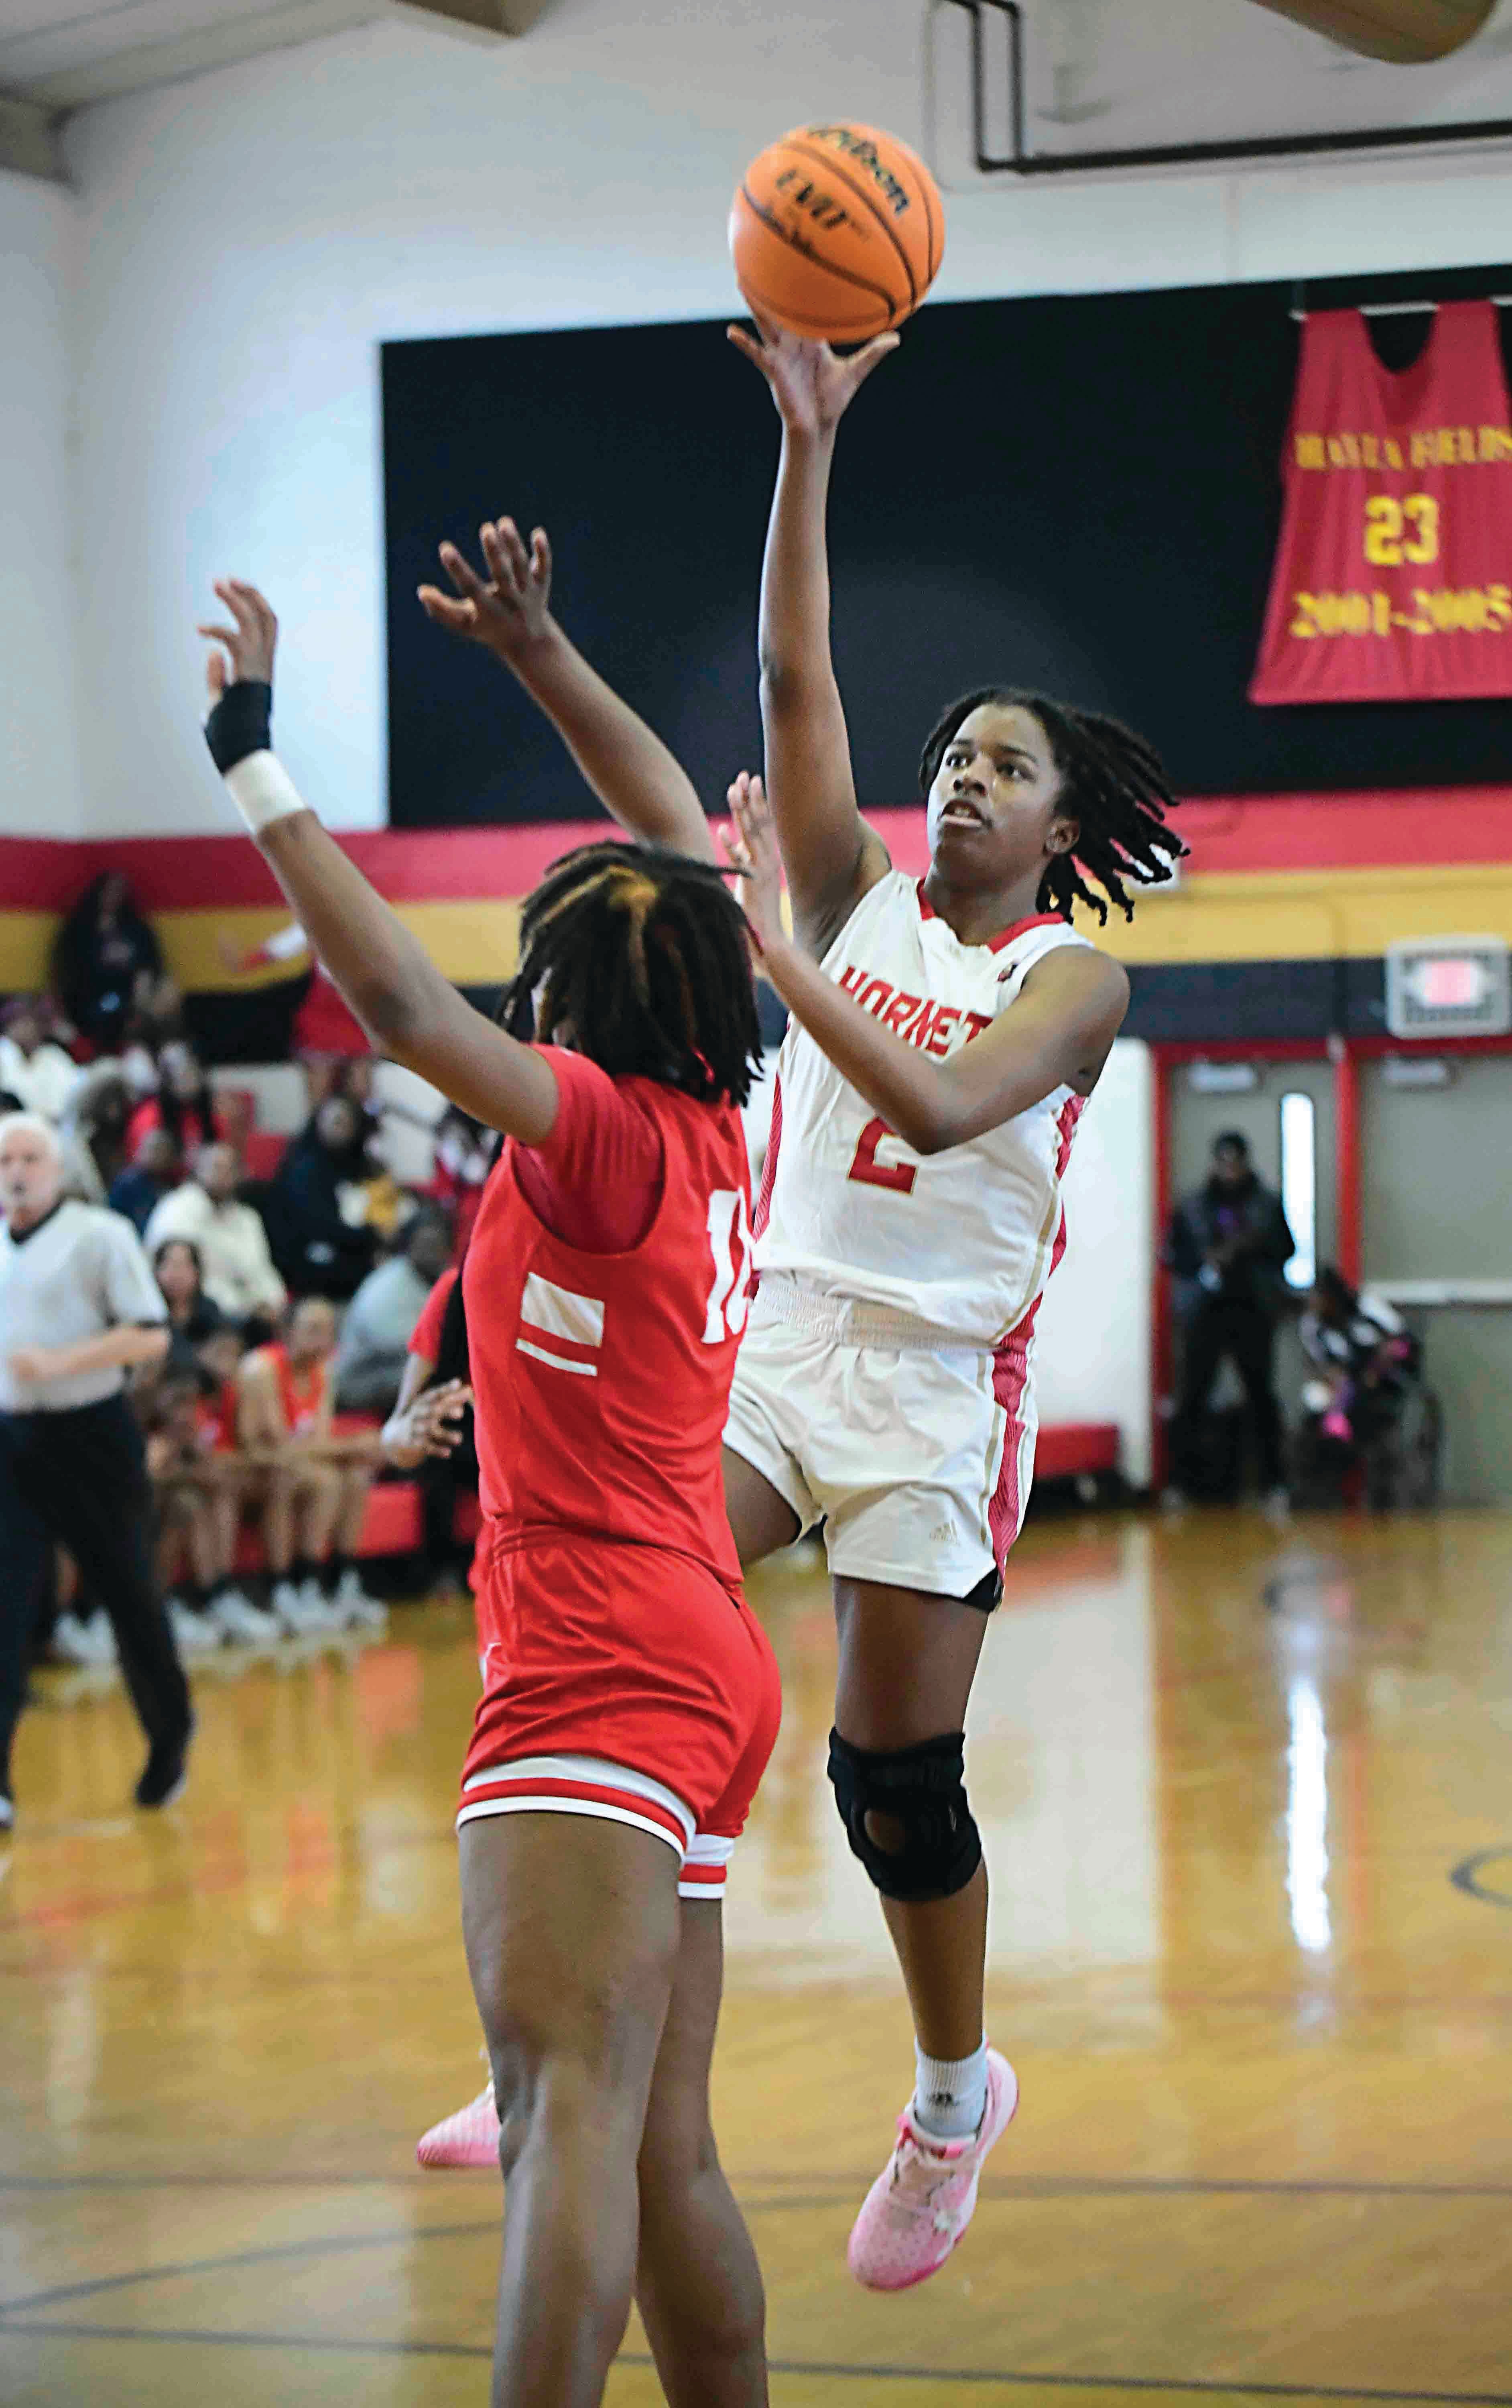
(1346, 1054)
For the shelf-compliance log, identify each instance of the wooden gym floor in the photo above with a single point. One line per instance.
(1248, 1807)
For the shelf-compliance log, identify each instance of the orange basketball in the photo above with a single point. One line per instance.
(838, 232)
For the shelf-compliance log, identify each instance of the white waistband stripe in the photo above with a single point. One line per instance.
(602, 1774)
(598, 1810)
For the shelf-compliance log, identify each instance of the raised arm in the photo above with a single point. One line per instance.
(832, 857)
(630, 769)
(393, 986)
(1057, 1034)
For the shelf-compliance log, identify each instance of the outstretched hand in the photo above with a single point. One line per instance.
(752, 848)
(248, 646)
(430, 1425)
(811, 385)
(510, 612)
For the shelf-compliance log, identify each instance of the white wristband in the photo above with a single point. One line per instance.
(263, 791)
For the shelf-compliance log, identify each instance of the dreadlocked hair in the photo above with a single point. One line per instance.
(1113, 783)
(644, 954)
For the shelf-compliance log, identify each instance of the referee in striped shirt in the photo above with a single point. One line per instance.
(79, 1308)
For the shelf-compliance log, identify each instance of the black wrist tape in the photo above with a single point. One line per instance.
(240, 723)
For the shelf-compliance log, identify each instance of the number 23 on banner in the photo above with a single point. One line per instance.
(1401, 531)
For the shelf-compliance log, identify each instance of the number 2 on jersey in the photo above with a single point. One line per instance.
(729, 1243)
(868, 1172)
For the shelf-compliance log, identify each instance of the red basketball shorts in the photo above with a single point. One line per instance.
(623, 1683)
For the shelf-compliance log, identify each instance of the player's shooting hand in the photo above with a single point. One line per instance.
(753, 850)
(249, 644)
(811, 384)
(509, 612)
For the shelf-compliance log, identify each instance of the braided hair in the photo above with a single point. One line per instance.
(643, 952)
(1112, 782)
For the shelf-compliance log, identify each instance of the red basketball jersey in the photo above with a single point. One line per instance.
(602, 1380)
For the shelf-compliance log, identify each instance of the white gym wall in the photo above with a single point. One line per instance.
(240, 243)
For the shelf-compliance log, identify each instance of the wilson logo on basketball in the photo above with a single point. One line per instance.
(864, 150)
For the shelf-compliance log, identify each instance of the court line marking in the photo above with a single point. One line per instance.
(319, 2246)
(1208, 2386)
(1467, 1875)
(818, 2190)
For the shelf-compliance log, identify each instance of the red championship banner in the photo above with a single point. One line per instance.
(1393, 576)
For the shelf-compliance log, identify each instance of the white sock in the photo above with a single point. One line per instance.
(950, 2094)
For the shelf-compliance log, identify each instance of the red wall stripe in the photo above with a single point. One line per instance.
(1246, 834)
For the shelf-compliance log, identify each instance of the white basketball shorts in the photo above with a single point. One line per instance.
(917, 1456)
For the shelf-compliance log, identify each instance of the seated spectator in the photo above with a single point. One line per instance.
(381, 1319)
(197, 1496)
(153, 1172)
(183, 1105)
(430, 1432)
(465, 1154)
(239, 1276)
(193, 1315)
(318, 1204)
(32, 1066)
(105, 961)
(92, 1133)
(1369, 1370)
(309, 1487)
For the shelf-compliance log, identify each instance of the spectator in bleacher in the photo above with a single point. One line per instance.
(153, 1173)
(197, 1501)
(430, 1431)
(465, 1152)
(33, 1067)
(183, 1105)
(381, 1319)
(322, 1239)
(193, 1315)
(310, 1488)
(105, 961)
(92, 1133)
(232, 1244)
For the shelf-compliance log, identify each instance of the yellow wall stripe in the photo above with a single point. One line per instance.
(1249, 917)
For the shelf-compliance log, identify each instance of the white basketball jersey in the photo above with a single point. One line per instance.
(964, 1241)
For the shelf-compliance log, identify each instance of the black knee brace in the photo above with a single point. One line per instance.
(922, 1790)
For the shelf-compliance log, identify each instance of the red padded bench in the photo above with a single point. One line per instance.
(1072, 1449)
(392, 1525)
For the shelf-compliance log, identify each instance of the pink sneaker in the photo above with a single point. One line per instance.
(468, 2138)
(917, 2210)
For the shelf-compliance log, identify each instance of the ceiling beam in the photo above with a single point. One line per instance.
(1408, 32)
(506, 17)
(29, 144)
(231, 39)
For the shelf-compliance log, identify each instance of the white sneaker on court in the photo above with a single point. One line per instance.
(358, 1610)
(302, 1612)
(83, 1642)
(244, 1623)
(920, 2206)
(194, 1634)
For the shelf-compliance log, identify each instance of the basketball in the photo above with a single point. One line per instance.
(837, 232)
